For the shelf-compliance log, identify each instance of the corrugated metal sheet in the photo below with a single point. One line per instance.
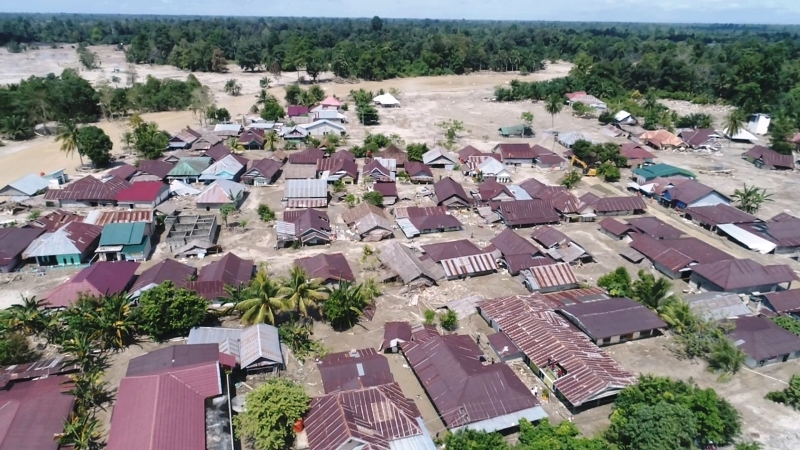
(71, 239)
(327, 267)
(468, 265)
(102, 218)
(33, 412)
(220, 192)
(227, 165)
(719, 214)
(620, 204)
(613, 317)
(554, 275)
(190, 167)
(655, 227)
(748, 239)
(307, 202)
(28, 185)
(306, 189)
(407, 227)
(718, 305)
(744, 273)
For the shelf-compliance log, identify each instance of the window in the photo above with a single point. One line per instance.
(607, 340)
(645, 333)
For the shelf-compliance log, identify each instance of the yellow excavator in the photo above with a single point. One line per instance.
(586, 170)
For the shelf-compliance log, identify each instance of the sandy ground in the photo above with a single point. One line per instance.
(426, 101)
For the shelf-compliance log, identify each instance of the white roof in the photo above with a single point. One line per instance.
(220, 192)
(227, 127)
(519, 193)
(386, 99)
(491, 166)
(437, 152)
(308, 188)
(55, 243)
(228, 164)
(321, 122)
(747, 238)
(622, 115)
(742, 135)
(29, 184)
(178, 187)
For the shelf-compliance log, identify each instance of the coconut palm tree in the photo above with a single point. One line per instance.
(553, 106)
(345, 305)
(734, 123)
(115, 327)
(90, 391)
(678, 315)
(271, 139)
(651, 291)
(302, 293)
(232, 87)
(262, 300)
(16, 127)
(67, 134)
(81, 433)
(750, 198)
(725, 357)
(27, 317)
(82, 351)
(264, 82)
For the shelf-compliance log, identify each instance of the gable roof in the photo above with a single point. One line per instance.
(661, 171)
(192, 166)
(490, 189)
(218, 151)
(688, 191)
(28, 185)
(762, 339)
(32, 412)
(334, 166)
(124, 171)
(227, 165)
(327, 267)
(719, 214)
(331, 101)
(375, 165)
(770, 157)
(231, 270)
(393, 152)
(632, 150)
(676, 254)
(405, 263)
(447, 188)
(462, 389)
(417, 169)
(549, 236)
(510, 243)
(71, 239)
(307, 219)
(619, 204)
(132, 233)
(612, 317)
(220, 192)
(142, 191)
(89, 188)
(468, 151)
(528, 212)
(784, 301)
(737, 274)
(442, 221)
(56, 219)
(614, 226)
(356, 369)
(452, 249)
(155, 167)
(654, 227)
(307, 156)
(101, 278)
(321, 122)
(395, 331)
(386, 189)
(296, 110)
(343, 154)
(352, 215)
(13, 241)
(167, 270)
(516, 151)
(266, 167)
(435, 154)
(252, 134)
(698, 137)
(782, 230)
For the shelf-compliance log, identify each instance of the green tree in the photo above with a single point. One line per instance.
(678, 315)
(270, 139)
(68, 134)
(297, 337)
(265, 213)
(451, 129)
(148, 141)
(272, 111)
(571, 179)
(527, 119)
(725, 357)
(790, 396)
(750, 198)
(264, 82)
(262, 301)
(448, 320)
(788, 323)
(367, 114)
(303, 294)
(468, 439)
(564, 436)
(108, 320)
(651, 291)
(272, 408)
(95, 144)
(415, 151)
(345, 305)
(16, 127)
(430, 316)
(232, 87)
(81, 432)
(294, 94)
(553, 106)
(609, 171)
(662, 426)
(166, 311)
(618, 283)
(374, 198)
(581, 109)
(15, 349)
(225, 211)
(26, 317)
(781, 133)
(377, 24)
(734, 123)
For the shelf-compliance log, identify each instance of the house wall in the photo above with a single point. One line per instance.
(137, 256)
(63, 260)
(11, 265)
(752, 363)
(663, 269)
(711, 199)
(322, 130)
(625, 338)
(528, 162)
(699, 282)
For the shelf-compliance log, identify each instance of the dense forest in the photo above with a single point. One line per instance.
(756, 68)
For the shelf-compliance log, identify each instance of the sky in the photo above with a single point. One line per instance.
(681, 11)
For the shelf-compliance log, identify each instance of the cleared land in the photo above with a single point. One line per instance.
(426, 101)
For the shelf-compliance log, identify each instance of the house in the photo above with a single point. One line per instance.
(527, 213)
(766, 158)
(676, 257)
(307, 226)
(452, 249)
(492, 191)
(687, 193)
(227, 168)
(99, 279)
(549, 161)
(87, 191)
(124, 242)
(661, 139)
(393, 152)
(779, 235)
(441, 158)
(509, 243)
(203, 143)
(714, 306)
(257, 348)
(654, 227)
(183, 139)
(27, 186)
(307, 156)
(214, 277)
(369, 221)
(343, 154)
(418, 172)
(35, 411)
(386, 101)
(615, 206)
(466, 393)
(356, 369)
(387, 190)
(144, 194)
(743, 276)
(758, 123)
(124, 171)
(516, 154)
(328, 268)
(102, 218)
(191, 234)
(262, 172)
(377, 172)
(175, 272)
(550, 278)
(407, 267)
(228, 129)
(308, 193)
(782, 302)
(469, 266)
(323, 127)
(377, 417)
(441, 223)
(339, 169)
(13, 245)
(300, 171)
(580, 373)
(701, 138)
(505, 349)
(221, 192)
(645, 174)
(763, 341)
(587, 99)
(189, 170)
(252, 139)
(569, 139)
(740, 136)
(635, 154)
(614, 320)
(466, 152)
(559, 246)
(625, 118)
(331, 102)
(72, 244)
(296, 111)
(54, 220)
(293, 133)
(394, 334)
(519, 130)
(710, 217)
(449, 193)
(187, 377)
(614, 228)
(489, 167)
(151, 170)
(217, 152)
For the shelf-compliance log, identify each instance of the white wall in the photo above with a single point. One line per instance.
(712, 199)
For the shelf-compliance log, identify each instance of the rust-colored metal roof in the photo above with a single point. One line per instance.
(737, 274)
(655, 228)
(464, 390)
(124, 171)
(469, 265)
(762, 339)
(510, 243)
(466, 152)
(418, 169)
(231, 270)
(167, 270)
(307, 156)
(543, 335)
(554, 275)
(266, 167)
(573, 296)
(357, 369)
(335, 165)
(101, 278)
(172, 357)
(782, 230)
(549, 236)
(395, 332)
(632, 150)
(143, 191)
(490, 189)
(440, 222)
(89, 188)
(451, 249)
(393, 152)
(218, 151)
(155, 167)
(771, 157)
(612, 317)
(386, 189)
(524, 261)
(402, 212)
(56, 219)
(354, 214)
(516, 151)
(13, 241)
(447, 188)
(33, 412)
(328, 267)
(135, 215)
(784, 301)
(527, 213)
(619, 204)
(376, 416)
(687, 191)
(615, 227)
(677, 254)
(719, 214)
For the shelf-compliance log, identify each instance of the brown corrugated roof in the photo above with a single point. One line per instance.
(172, 357)
(631, 150)
(554, 275)
(502, 344)
(167, 270)
(101, 278)
(466, 152)
(782, 230)
(155, 167)
(393, 152)
(490, 189)
(784, 301)
(688, 191)
(451, 249)
(418, 169)
(719, 214)
(402, 212)
(89, 188)
(771, 157)
(336, 165)
(343, 154)
(307, 156)
(762, 339)
(549, 236)
(744, 273)
(516, 151)
(218, 151)
(307, 219)
(228, 271)
(130, 216)
(328, 267)
(352, 215)
(543, 335)
(615, 227)
(395, 331)
(524, 261)
(124, 171)
(462, 389)
(528, 212)
(33, 412)
(13, 241)
(56, 219)
(266, 167)
(655, 228)
(510, 243)
(439, 222)
(344, 371)
(447, 188)
(387, 189)
(619, 204)
(676, 254)
(573, 296)
(612, 317)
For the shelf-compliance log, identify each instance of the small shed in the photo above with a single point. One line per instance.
(219, 193)
(124, 242)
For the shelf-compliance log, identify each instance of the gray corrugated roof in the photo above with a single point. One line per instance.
(306, 188)
(30, 184)
(248, 345)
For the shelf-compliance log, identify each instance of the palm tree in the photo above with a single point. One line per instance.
(750, 198)
(82, 351)
(302, 293)
(678, 315)
(271, 139)
(81, 433)
(725, 356)
(571, 179)
(16, 127)
(264, 82)
(232, 87)
(553, 106)
(263, 301)
(370, 289)
(90, 391)
(115, 326)
(651, 291)
(67, 134)
(734, 123)
(27, 316)
(345, 305)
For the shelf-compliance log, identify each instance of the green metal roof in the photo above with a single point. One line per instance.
(122, 234)
(193, 166)
(661, 170)
(516, 129)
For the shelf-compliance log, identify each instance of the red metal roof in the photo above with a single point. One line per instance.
(143, 191)
(528, 212)
(447, 188)
(374, 415)
(33, 412)
(344, 371)
(554, 275)
(395, 331)
(101, 278)
(655, 228)
(328, 267)
(543, 335)
(619, 204)
(516, 151)
(612, 317)
(13, 241)
(451, 249)
(56, 219)
(510, 243)
(155, 167)
(469, 265)
(719, 214)
(784, 301)
(295, 110)
(737, 274)
(167, 270)
(572, 296)
(632, 150)
(762, 339)
(124, 171)
(89, 188)
(464, 390)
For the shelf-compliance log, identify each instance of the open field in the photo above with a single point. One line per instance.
(426, 101)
